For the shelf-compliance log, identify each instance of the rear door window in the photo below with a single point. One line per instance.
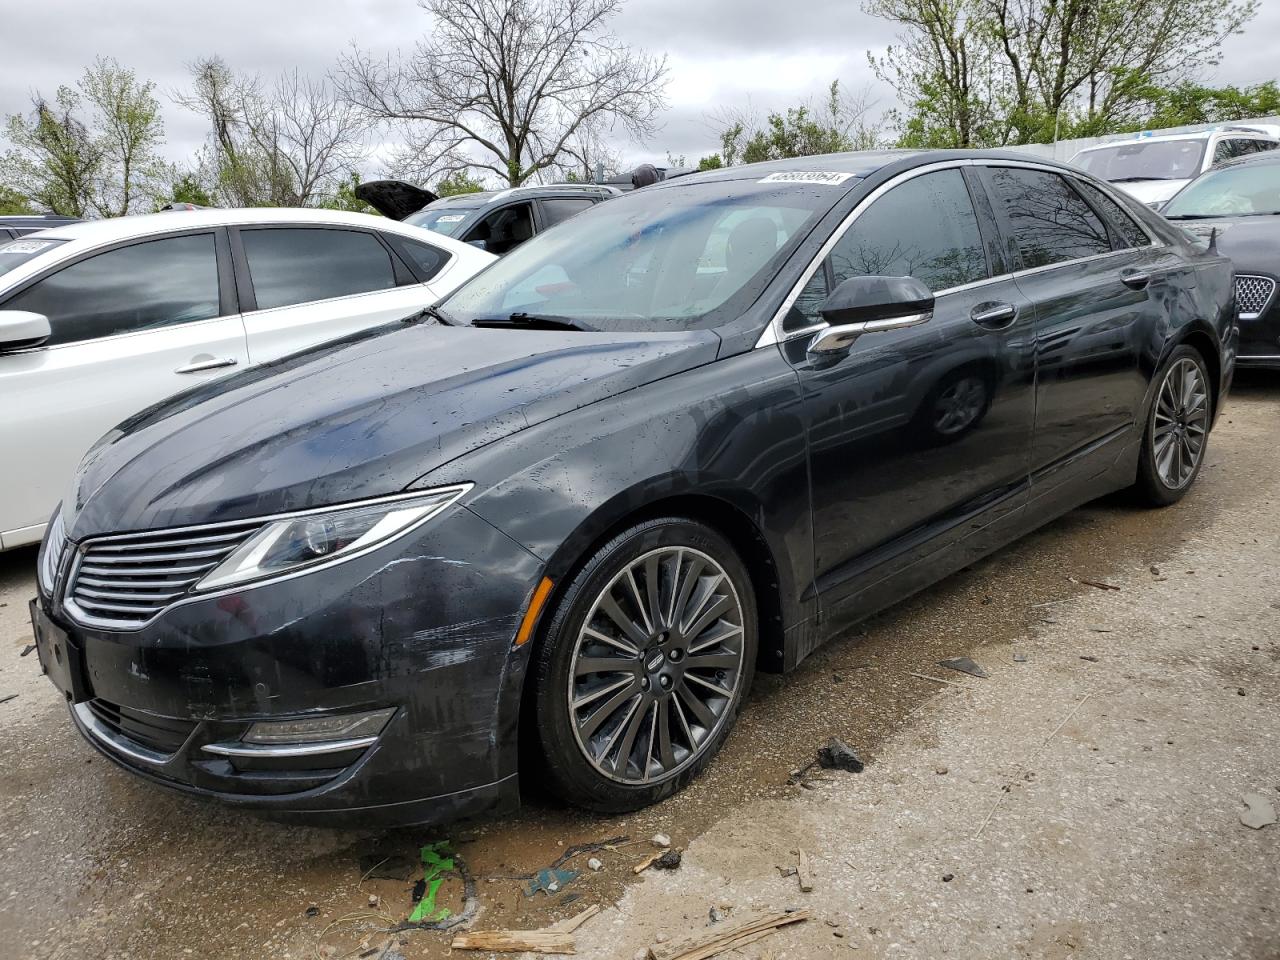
(291, 265)
(1132, 234)
(153, 284)
(558, 209)
(1050, 221)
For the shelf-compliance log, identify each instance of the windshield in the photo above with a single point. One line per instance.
(1144, 160)
(660, 259)
(18, 252)
(1249, 190)
(446, 221)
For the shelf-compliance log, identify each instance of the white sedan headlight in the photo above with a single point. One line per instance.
(320, 537)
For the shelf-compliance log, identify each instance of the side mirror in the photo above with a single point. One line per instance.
(20, 329)
(868, 305)
(479, 244)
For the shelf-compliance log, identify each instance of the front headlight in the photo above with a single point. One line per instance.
(320, 537)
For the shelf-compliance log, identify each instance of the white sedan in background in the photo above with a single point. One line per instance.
(99, 320)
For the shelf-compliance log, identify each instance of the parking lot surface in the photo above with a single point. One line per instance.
(1083, 801)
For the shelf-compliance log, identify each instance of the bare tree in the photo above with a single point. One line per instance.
(283, 145)
(508, 86)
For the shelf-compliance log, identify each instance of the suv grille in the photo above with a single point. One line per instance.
(161, 734)
(1253, 294)
(127, 580)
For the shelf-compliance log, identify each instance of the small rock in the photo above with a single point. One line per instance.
(313, 911)
(965, 665)
(941, 771)
(662, 840)
(1090, 659)
(838, 755)
(1240, 691)
(595, 864)
(661, 938)
(791, 871)
(719, 912)
(1155, 571)
(668, 861)
(373, 899)
(1019, 658)
(1260, 813)
(948, 877)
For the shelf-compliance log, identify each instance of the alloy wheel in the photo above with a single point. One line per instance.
(1180, 424)
(656, 665)
(959, 406)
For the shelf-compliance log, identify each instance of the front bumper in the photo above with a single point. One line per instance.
(425, 625)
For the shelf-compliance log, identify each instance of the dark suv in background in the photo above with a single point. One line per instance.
(18, 226)
(494, 220)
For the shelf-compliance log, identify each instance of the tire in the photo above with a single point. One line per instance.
(1177, 430)
(627, 710)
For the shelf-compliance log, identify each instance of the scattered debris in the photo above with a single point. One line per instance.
(948, 877)
(669, 860)
(595, 864)
(12, 696)
(711, 942)
(313, 911)
(965, 665)
(719, 912)
(1091, 659)
(1155, 571)
(646, 863)
(1019, 658)
(661, 840)
(391, 866)
(838, 755)
(550, 880)
(516, 941)
(577, 920)
(786, 871)
(1239, 691)
(804, 872)
(27, 649)
(419, 891)
(1102, 630)
(941, 771)
(417, 894)
(1260, 812)
(949, 683)
(1094, 583)
(425, 916)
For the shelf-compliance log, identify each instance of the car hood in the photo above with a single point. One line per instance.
(360, 417)
(1151, 191)
(1252, 243)
(394, 198)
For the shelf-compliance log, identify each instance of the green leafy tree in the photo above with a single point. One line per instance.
(343, 196)
(838, 123)
(711, 161)
(91, 150)
(1190, 103)
(456, 183)
(980, 73)
(13, 203)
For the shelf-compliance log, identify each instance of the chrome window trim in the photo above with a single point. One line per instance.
(79, 616)
(774, 333)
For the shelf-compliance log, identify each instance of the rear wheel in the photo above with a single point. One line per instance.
(646, 660)
(1177, 432)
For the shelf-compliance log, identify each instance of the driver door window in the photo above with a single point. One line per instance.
(925, 228)
(505, 229)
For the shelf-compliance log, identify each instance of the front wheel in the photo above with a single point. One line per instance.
(1177, 432)
(646, 660)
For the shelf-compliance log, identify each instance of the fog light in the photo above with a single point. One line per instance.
(347, 726)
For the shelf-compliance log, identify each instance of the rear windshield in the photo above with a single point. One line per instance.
(447, 221)
(664, 259)
(17, 252)
(1144, 160)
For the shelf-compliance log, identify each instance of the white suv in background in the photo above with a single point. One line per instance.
(99, 320)
(1154, 168)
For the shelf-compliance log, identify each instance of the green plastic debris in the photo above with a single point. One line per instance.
(434, 866)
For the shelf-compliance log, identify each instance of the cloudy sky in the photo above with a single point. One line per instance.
(736, 53)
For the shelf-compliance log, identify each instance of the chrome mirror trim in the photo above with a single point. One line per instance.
(833, 340)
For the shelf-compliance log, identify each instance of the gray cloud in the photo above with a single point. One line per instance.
(731, 53)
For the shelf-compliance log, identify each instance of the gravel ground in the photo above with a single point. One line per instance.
(1083, 802)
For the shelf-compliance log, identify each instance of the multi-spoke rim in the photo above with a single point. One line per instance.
(656, 665)
(1180, 424)
(959, 405)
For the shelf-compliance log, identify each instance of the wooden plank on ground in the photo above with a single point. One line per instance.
(573, 923)
(724, 936)
(516, 941)
(804, 871)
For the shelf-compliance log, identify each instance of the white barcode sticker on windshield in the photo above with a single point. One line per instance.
(25, 246)
(808, 176)
(452, 218)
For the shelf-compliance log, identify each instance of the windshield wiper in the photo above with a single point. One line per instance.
(1138, 179)
(532, 321)
(1196, 216)
(433, 313)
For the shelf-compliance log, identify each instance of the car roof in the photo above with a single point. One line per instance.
(1233, 131)
(1271, 156)
(34, 219)
(480, 198)
(89, 234)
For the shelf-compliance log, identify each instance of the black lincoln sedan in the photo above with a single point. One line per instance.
(1237, 205)
(553, 526)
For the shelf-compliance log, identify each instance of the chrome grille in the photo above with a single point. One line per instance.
(1253, 294)
(125, 581)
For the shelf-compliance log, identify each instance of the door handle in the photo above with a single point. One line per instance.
(213, 363)
(1135, 278)
(994, 315)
